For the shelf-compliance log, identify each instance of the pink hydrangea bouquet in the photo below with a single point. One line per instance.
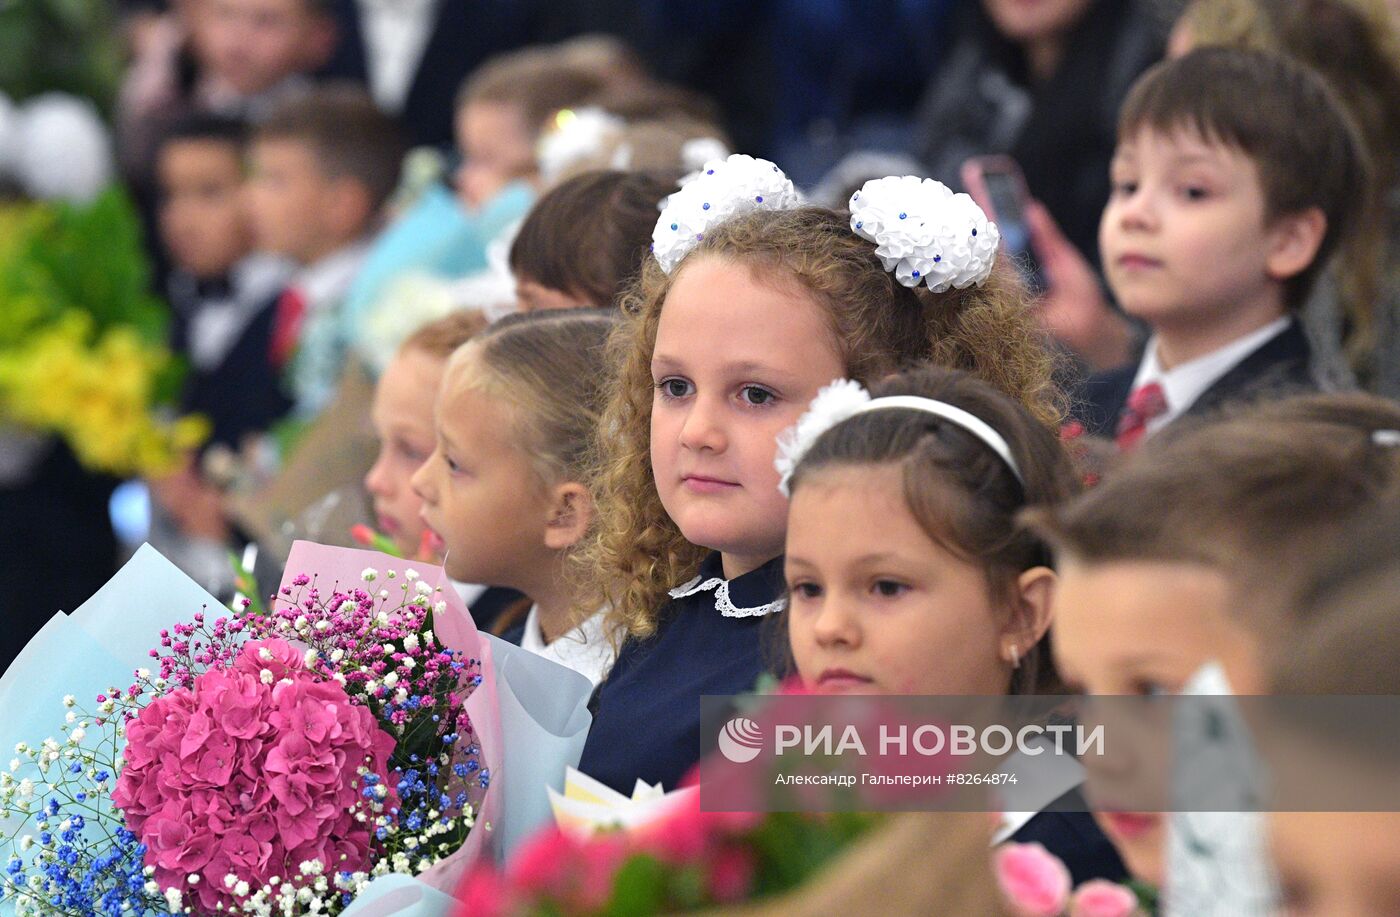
(1035, 883)
(265, 763)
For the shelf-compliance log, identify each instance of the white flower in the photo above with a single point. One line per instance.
(265, 676)
(422, 588)
(391, 679)
(410, 574)
(310, 658)
(77, 735)
(265, 654)
(924, 233)
(833, 404)
(410, 642)
(388, 649)
(724, 188)
(63, 150)
(173, 899)
(369, 574)
(337, 654)
(440, 607)
(574, 136)
(69, 700)
(143, 674)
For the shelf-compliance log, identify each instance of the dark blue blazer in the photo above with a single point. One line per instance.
(647, 719)
(244, 393)
(1281, 366)
(465, 33)
(1075, 838)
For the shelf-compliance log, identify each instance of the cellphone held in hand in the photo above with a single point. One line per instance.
(997, 185)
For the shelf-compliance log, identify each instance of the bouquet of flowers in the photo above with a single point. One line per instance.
(260, 762)
(686, 860)
(82, 351)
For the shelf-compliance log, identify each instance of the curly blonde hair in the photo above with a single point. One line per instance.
(637, 553)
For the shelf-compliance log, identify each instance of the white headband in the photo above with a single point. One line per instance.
(844, 399)
(923, 232)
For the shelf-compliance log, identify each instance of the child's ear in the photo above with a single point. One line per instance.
(570, 512)
(1294, 241)
(1030, 613)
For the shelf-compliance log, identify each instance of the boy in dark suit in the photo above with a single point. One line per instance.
(1236, 176)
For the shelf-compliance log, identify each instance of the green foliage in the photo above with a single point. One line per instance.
(57, 257)
(66, 45)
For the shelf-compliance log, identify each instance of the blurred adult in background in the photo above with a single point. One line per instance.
(414, 54)
(1041, 82)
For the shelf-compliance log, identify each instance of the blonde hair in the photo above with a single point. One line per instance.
(880, 326)
(548, 367)
(442, 337)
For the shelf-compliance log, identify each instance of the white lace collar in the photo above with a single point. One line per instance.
(722, 601)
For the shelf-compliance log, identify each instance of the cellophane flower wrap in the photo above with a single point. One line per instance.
(271, 762)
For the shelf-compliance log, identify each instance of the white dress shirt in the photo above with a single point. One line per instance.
(395, 34)
(1183, 384)
(585, 649)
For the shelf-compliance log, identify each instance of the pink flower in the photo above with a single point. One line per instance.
(1100, 898)
(1034, 881)
(486, 893)
(730, 876)
(543, 863)
(234, 775)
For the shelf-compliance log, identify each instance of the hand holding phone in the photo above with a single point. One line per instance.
(999, 188)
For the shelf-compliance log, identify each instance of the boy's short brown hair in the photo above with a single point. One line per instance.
(536, 80)
(1280, 114)
(349, 136)
(588, 236)
(1246, 494)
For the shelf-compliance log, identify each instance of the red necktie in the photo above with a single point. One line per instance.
(1146, 402)
(286, 326)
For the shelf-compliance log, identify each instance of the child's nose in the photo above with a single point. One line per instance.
(836, 624)
(378, 481)
(704, 427)
(1138, 210)
(421, 482)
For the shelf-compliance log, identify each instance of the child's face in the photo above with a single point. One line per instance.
(735, 363)
(496, 148)
(202, 220)
(480, 493)
(1143, 628)
(288, 200)
(1337, 864)
(1184, 238)
(254, 44)
(876, 606)
(402, 415)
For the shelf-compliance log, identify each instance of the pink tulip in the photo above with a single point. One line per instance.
(1100, 898)
(1034, 881)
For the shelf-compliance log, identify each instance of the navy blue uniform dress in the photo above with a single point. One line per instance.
(709, 641)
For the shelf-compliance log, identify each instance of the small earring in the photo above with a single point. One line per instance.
(1015, 657)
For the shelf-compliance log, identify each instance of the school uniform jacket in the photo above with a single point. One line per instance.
(1281, 366)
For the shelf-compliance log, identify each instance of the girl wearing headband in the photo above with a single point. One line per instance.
(925, 585)
(907, 573)
(748, 305)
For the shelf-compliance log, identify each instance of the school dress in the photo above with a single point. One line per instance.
(710, 640)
